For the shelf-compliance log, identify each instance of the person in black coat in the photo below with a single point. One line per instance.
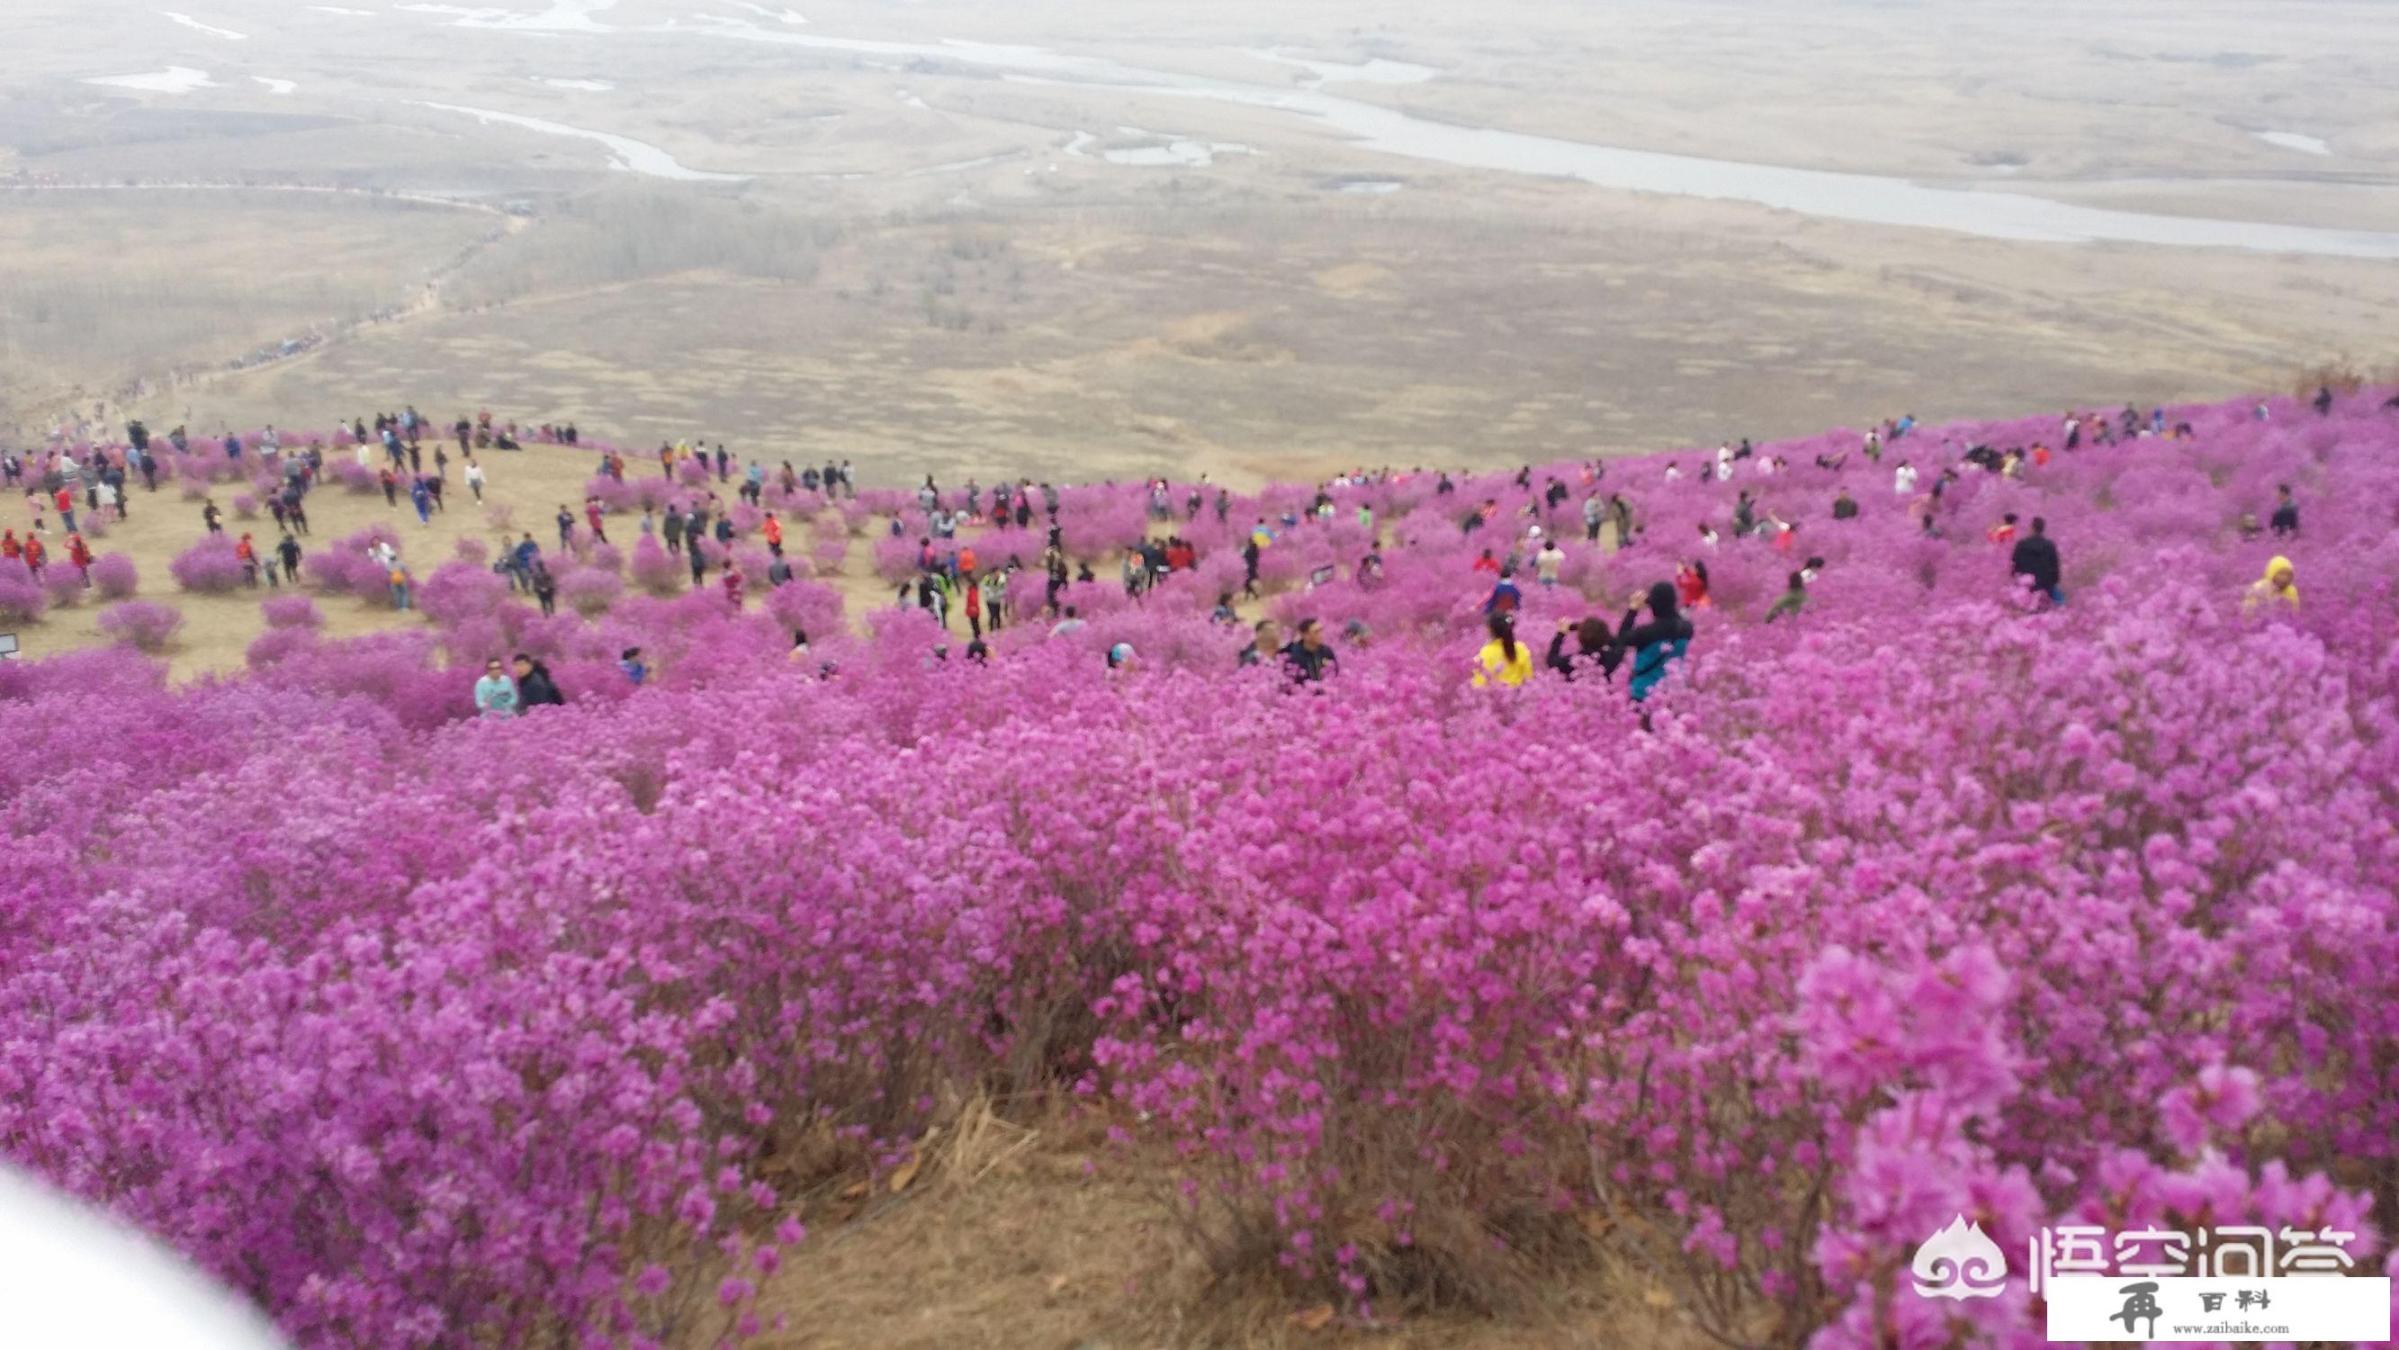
(2285, 521)
(1595, 649)
(2035, 559)
(534, 687)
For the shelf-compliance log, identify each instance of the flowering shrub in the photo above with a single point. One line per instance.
(614, 497)
(458, 592)
(62, 585)
(654, 569)
(114, 576)
(145, 624)
(208, 567)
(291, 611)
(1094, 523)
(649, 494)
(348, 567)
(22, 599)
(1924, 901)
(896, 556)
(589, 590)
(806, 607)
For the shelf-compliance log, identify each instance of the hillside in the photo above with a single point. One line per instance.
(1111, 990)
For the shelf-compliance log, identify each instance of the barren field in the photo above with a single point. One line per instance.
(950, 239)
(1265, 339)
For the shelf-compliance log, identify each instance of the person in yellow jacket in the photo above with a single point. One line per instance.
(2279, 586)
(1503, 658)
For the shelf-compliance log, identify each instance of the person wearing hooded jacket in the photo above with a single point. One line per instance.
(2279, 586)
(1655, 645)
(534, 687)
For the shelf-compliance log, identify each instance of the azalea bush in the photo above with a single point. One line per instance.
(655, 570)
(590, 590)
(349, 567)
(146, 624)
(208, 567)
(114, 576)
(1928, 901)
(63, 585)
(22, 597)
(291, 611)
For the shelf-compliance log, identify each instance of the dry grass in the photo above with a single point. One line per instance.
(96, 287)
(1261, 343)
(1035, 1233)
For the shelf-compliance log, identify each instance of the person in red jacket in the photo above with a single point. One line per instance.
(733, 583)
(80, 554)
(1691, 585)
(65, 501)
(33, 554)
(9, 547)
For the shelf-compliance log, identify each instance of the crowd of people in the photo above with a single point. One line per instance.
(1644, 643)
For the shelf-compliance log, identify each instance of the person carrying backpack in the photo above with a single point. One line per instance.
(1656, 645)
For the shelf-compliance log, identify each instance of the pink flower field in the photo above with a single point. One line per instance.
(1929, 898)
